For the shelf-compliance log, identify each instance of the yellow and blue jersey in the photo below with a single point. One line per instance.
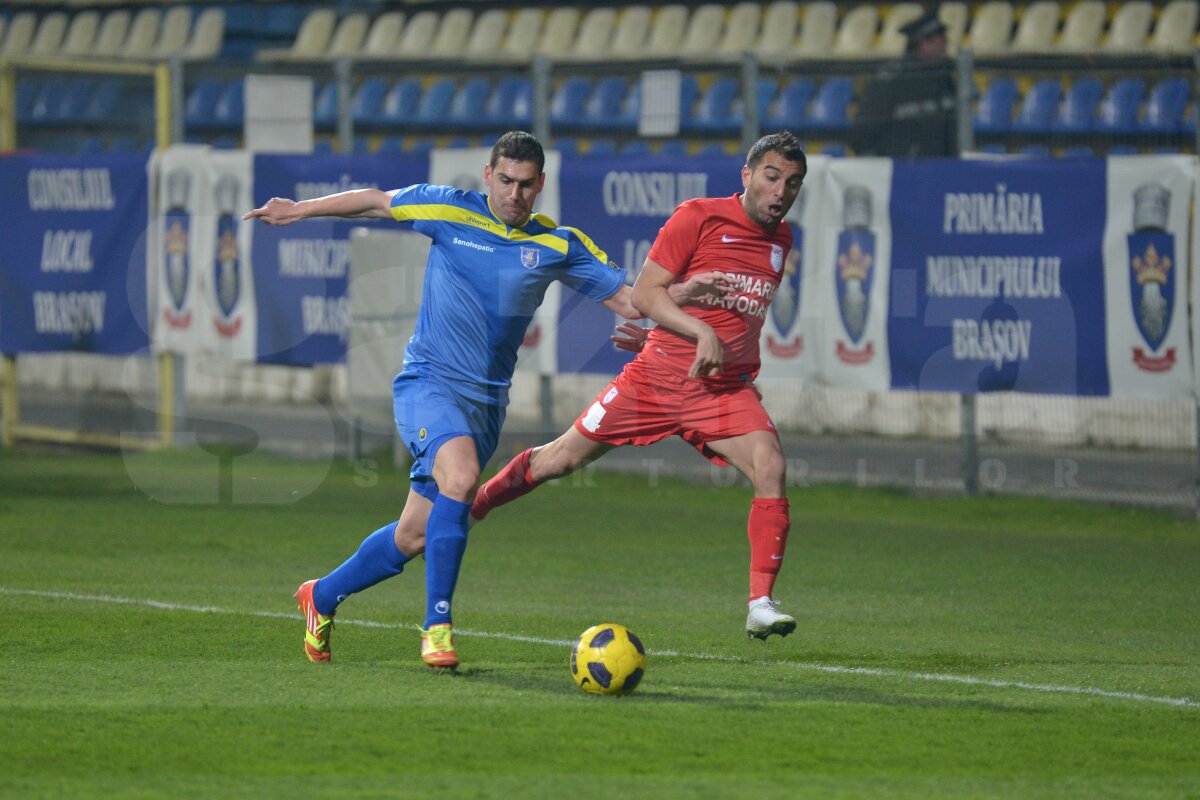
(483, 281)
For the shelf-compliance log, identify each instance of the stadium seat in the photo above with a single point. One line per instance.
(856, 33)
(49, 98)
(995, 112)
(1175, 28)
(27, 92)
(111, 36)
(567, 145)
(666, 33)
(601, 147)
(81, 34)
(208, 35)
(603, 106)
(311, 40)
(673, 148)
(1077, 112)
(1038, 107)
(714, 110)
(779, 24)
(417, 35)
(1035, 151)
(200, 107)
(366, 104)
(1119, 108)
(49, 37)
(791, 105)
(891, 40)
(703, 31)
(91, 146)
(566, 106)
(631, 31)
(635, 147)
(452, 33)
(834, 150)
(558, 33)
(954, 16)
(993, 150)
(595, 33)
(230, 108)
(348, 37)
(817, 30)
(399, 105)
(630, 109)
(1079, 151)
(173, 36)
(486, 35)
(143, 34)
(990, 29)
(419, 146)
(830, 108)
(765, 93)
(1129, 31)
(104, 103)
(466, 110)
(1123, 150)
(1164, 108)
(1082, 27)
(523, 33)
(434, 106)
(390, 145)
(325, 105)
(19, 35)
(321, 147)
(1037, 28)
(712, 149)
(741, 29)
(383, 36)
(510, 104)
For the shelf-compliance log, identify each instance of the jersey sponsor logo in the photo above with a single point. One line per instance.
(474, 245)
(530, 257)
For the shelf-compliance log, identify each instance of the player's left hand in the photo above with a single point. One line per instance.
(707, 284)
(630, 337)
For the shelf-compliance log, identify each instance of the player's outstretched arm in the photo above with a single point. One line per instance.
(355, 204)
(651, 296)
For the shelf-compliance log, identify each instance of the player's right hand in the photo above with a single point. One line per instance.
(714, 284)
(277, 211)
(710, 356)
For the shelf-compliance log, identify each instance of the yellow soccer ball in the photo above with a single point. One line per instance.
(608, 659)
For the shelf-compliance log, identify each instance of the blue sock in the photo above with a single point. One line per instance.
(377, 558)
(445, 543)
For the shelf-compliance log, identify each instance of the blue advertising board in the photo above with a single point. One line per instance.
(73, 261)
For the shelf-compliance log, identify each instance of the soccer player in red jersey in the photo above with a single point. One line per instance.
(694, 378)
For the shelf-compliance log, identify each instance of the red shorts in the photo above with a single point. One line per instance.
(637, 408)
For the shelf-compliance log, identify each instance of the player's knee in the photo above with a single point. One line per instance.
(770, 472)
(459, 482)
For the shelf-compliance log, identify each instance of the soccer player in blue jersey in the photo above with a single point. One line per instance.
(489, 265)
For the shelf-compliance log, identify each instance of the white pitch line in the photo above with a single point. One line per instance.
(1181, 702)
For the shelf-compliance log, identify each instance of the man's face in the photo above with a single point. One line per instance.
(932, 46)
(771, 188)
(512, 186)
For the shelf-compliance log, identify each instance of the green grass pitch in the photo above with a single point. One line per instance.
(947, 647)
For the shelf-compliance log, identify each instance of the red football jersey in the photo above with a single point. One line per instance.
(714, 234)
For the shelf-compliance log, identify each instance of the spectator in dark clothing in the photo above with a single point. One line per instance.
(909, 108)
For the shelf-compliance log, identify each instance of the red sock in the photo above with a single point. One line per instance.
(507, 485)
(768, 532)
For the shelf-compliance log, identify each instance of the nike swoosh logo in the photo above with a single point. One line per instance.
(777, 558)
(727, 240)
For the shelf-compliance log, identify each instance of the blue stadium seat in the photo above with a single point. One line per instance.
(830, 108)
(225, 143)
(46, 104)
(434, 105)
(27, 92)
(791, 105)
(1164, 108)
(362, 144)
(1077, 112)
(601, 147)
(200, 107)
(1081, 151)
(367, 101)
(390, 144)
(467, 107)
(1119, 108)
(104, 104)
(325, 106)
(91, 146)
(673, 148)
(567, 145)
(834, 150)
(1035, 151)
(322, 147)
(995, 112)
(457, 142)
(1038, 107)
(1123, 150)
(421, 146)
(510, 104)
(714, 111)
(604, 104)
(712, 149)
(630, 109)
(399, 105)
(766, 95)
(72, 108)
(993, 149)
(230, 109)
(566, 107)
(635, 147)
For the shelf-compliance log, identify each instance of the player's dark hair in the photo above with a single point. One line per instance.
(784, 143)
(519, 146)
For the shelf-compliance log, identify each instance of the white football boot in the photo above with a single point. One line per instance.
(765, 618)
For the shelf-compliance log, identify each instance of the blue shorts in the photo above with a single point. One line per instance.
(429, 414)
